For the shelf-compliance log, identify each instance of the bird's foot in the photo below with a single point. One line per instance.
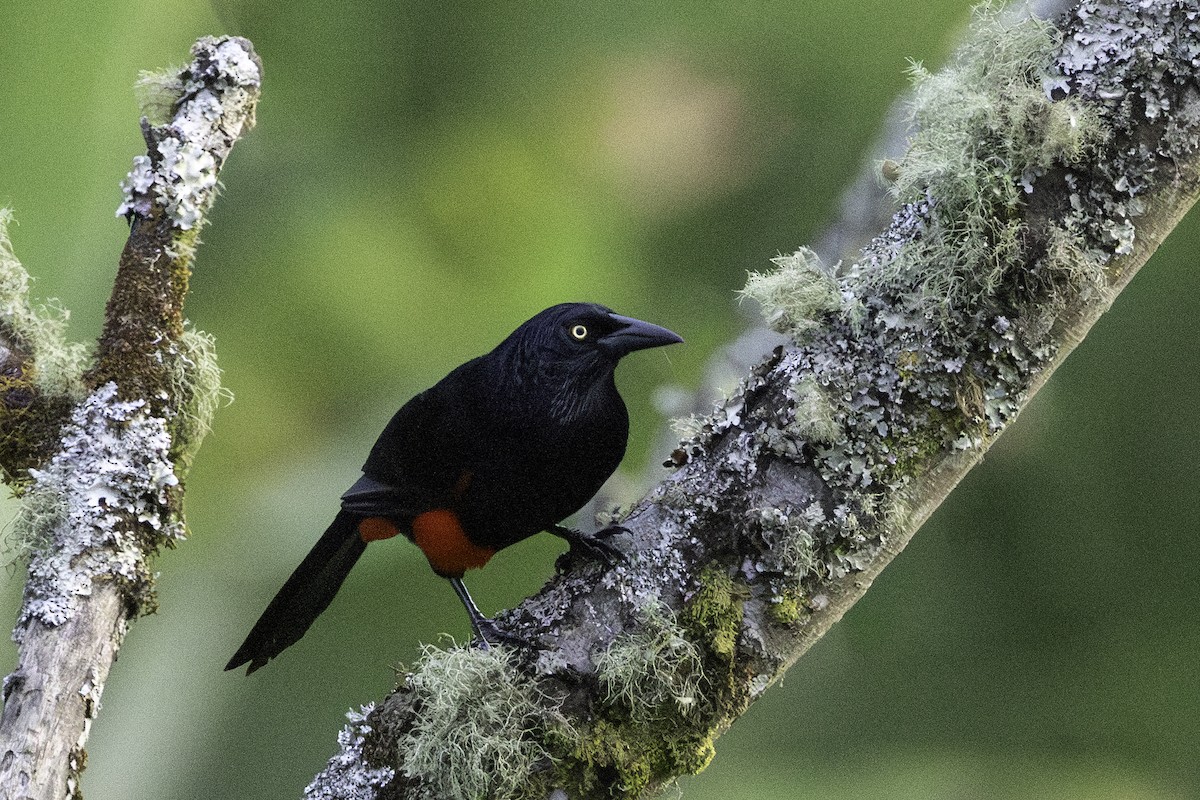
(487, 633)
(593, 546)
(484, 630)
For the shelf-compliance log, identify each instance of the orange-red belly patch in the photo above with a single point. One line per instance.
(372, 529)
(440, 536)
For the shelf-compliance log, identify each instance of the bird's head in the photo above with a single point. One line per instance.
(589, 332)
(574, 347)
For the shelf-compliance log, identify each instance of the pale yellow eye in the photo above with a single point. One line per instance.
(579, 332)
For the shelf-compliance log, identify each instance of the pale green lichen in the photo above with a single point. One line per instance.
(55, 365)
(788, 540)
(987, 130)
(813, 416)
(196, 391)
(654, 671)
(479, 728)
(688, 427)
(42, 510)
(669, 688)
(158, 93)
(797, 294)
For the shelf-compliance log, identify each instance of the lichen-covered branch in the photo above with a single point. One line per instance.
(99, 456)
(1049, 160)
(167, 195)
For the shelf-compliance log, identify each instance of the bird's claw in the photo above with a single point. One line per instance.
(487, 633)
(484, 630)
(611, 530)
(593, 546)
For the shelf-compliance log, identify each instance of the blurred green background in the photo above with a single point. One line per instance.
(424, 176)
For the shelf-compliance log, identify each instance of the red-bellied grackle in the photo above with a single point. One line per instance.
(505, 446)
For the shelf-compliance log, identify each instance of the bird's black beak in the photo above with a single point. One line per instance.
(635, 335)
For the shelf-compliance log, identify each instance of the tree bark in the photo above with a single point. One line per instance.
(99, 456)
(1049, 160)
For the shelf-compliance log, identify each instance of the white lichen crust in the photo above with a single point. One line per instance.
(348, 777)
(1141, 70)
(98, 509)
(179, 174)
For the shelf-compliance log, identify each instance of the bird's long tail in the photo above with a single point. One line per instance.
(307, 593)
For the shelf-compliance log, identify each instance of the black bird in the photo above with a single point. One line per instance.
(507, 445)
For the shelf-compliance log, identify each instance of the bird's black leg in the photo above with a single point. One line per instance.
(593, 545)
(485, 630)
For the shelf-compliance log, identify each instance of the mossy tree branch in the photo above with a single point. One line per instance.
(1050, 160)
(99, 456)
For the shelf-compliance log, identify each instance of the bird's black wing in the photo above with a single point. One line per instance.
(426, 445)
